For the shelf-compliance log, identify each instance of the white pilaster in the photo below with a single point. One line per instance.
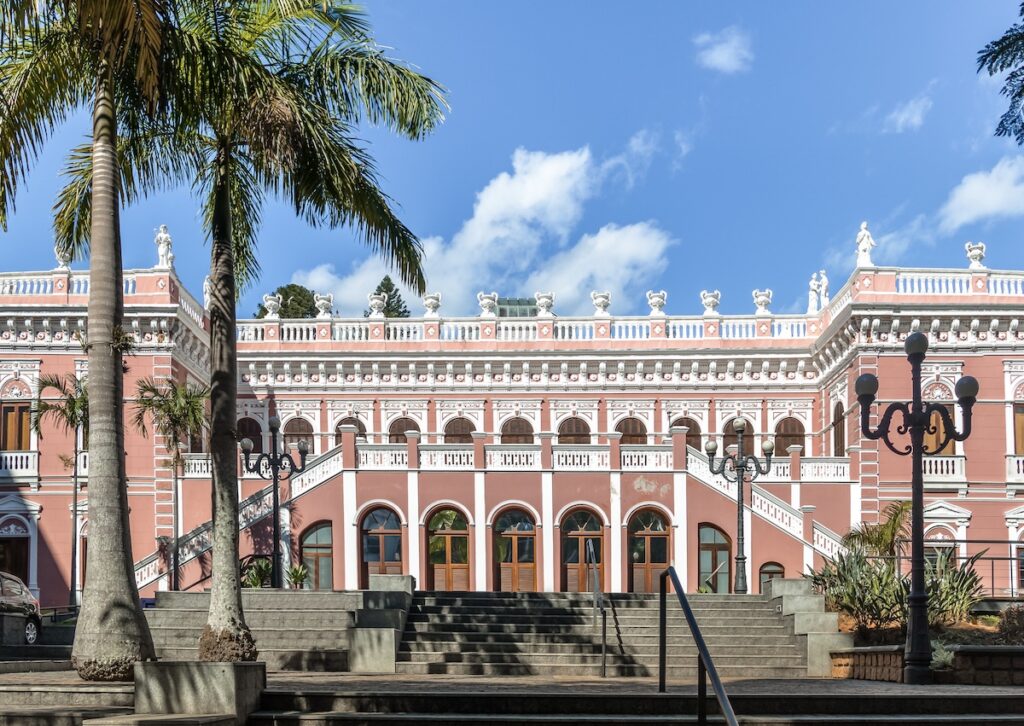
(480, 534)
(350, 533)
(856, 516)
(413, 514)
(680, 534)
(547, 517)
(1012, 531)
(748, 549)
(286, 543)
(1011, 444)
(615, 516)
(33, 555)
(794, 494)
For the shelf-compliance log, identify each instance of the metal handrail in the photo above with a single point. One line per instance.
(705, 665)
(590, 558)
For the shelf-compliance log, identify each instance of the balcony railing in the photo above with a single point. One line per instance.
(446, 457)
(825, 469)
(19, 463)
(383, 456)
(513, 457)
(581, 458)
(940, 469)
(1015, 468)
(646, 458)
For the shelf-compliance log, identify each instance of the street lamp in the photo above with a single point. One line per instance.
(734, 467)
(276, 461)
(917, 421)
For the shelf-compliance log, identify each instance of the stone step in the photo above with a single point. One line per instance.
(207, 719)
(257, 619)
(794, 660)
(511, 618)
(254, 599)
(36, 652)
(584, 609)
(571, 670)
(13, 715)
(752, 630)
(281, 659)
(681, 638)
(296, 637)
(618, 600)
(270, 718)
(674, 649)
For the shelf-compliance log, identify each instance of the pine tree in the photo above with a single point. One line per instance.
(296, 302)
(395, 307)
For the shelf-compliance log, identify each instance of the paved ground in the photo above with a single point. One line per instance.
(294, 680)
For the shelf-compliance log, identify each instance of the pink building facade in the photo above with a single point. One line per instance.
(486, 453)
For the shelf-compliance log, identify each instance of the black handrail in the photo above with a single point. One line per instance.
(705, 665)
(590, 558)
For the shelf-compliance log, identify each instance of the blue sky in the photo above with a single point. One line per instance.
(626, 147)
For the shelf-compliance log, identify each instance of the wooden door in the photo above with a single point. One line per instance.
(515, 552)
(648, 550)
(582, 533)
(381, 545)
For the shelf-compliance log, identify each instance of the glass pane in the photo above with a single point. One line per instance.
(326, 579)
(514, 520)
(637, 549)
(436, 550)
(460, 550)
(570, 550)
(393, 548)
(503, 549)
(659, 549)
(371, 548)
(705, 565)
(592, 551)
(525, 549)
(722, 580)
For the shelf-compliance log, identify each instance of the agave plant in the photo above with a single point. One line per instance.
(298, 576)
(257, 573)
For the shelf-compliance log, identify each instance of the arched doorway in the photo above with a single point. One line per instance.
(381, 545)
(648, 550)
(770, 571)
(714, 563)
(573, 431)
(692, 432)
(582, 545)
(633, 431)
(398, 429)
(448, 551)
(731, 439)
(15, 539)
(459, 431)
(350, 421)
(515, 551)
(317, 554)
(789, 432)
(249, 428)
(296, 430)
(516, 431)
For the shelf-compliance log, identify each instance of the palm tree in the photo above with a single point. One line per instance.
(266, 94)
(56, 57)
(178, 411)
(69, 410)
(884, 538)
(1006, 55)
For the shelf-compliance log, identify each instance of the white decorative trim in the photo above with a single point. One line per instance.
(514, 504)
(373, 504)
(670, 518)
(581, 504)
(445, 504)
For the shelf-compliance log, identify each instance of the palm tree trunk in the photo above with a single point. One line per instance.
(175, 577)
(112, 633)
(226, 637)
(73, 595)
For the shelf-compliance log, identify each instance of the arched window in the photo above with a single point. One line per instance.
(516, 431)
(459, 431)
(936, 432)
(770, 571)
(397, 429)
(317, 554)
(731, 438)
(633, 431)
(515, 552)
(350, 421)
(574, 431)
(382, 544)
(582, 539)
(692, 431)
(296, 430)
(838, 430)
(648, 550)
(713, 559)
(789, 432)
(14, 425)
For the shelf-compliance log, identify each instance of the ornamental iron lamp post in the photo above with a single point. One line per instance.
(277, 460)
(734, 467)
(917, 417)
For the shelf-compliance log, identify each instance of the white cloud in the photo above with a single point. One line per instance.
(908, 116)
(684, 145)
(984, 195)
(636, 159)
(517, 240)
(727, 51)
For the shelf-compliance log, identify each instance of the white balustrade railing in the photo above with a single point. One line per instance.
(317, 472)
(582, 457)
(79, 283)
(249, 332)
(790, 328)
(825, 469)
(775, 510)
(1006, 284)
(298, 332)
(844, 298)
(18, 284)
(637, 329)
(383, 456)
(190, 307)
(460, 330)
(19, 463)
(350, 332)
(1015, 468)
(575, 329)
(945, 469)
(511, 457)
(446, 457)
(403, 331)
(697, 465)
(779, 470)
(197, 466)
(738, 328)
(513, 329)
(646, 458)
(933, 283)
(83, 463)
(685, 329)
(826, 542)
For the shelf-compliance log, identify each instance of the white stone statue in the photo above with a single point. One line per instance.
(432, 302)
(865, 242)
(657, 301)
(324, 305)
(207, 292)
(488, 304)
(378, 301)
(164, 253)
(545, 303)
(710, 299)
(813, 290)
(823, 284)
(975, 253)
(762, 299)
(602, 301)
(63, 255)
(272, 302)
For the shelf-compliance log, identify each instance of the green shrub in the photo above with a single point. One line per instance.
(257, 573)
(942, 657)
(954, 587)
(298, 576)
(1011, 625)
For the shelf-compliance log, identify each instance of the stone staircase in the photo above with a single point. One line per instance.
(473, 633)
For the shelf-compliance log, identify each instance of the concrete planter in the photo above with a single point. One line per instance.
(186, 687)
